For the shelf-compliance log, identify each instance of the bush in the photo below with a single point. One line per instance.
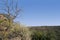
(13, 32)
(20, 31)
(43, 35)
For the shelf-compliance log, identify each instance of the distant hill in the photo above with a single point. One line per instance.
(44, 27)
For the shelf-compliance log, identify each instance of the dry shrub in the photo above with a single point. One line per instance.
(20, 32)
(15, 32)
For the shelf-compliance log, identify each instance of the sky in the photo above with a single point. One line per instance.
(39, 12)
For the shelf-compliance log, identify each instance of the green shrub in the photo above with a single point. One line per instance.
(43, 35)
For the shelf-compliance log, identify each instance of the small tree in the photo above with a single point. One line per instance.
(11, 8)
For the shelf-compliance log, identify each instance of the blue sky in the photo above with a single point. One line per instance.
(39, 12)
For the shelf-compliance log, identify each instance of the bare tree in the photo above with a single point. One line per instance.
(11, 8)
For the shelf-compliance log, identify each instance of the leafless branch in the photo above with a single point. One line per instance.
(11, 8)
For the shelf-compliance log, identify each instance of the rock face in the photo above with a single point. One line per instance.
(3, 17)
(3, 22)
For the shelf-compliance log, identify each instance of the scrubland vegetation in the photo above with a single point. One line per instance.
(14, 31)
(10, 30)
(45, 32)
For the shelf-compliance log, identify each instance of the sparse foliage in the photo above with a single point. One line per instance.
(10, 8)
